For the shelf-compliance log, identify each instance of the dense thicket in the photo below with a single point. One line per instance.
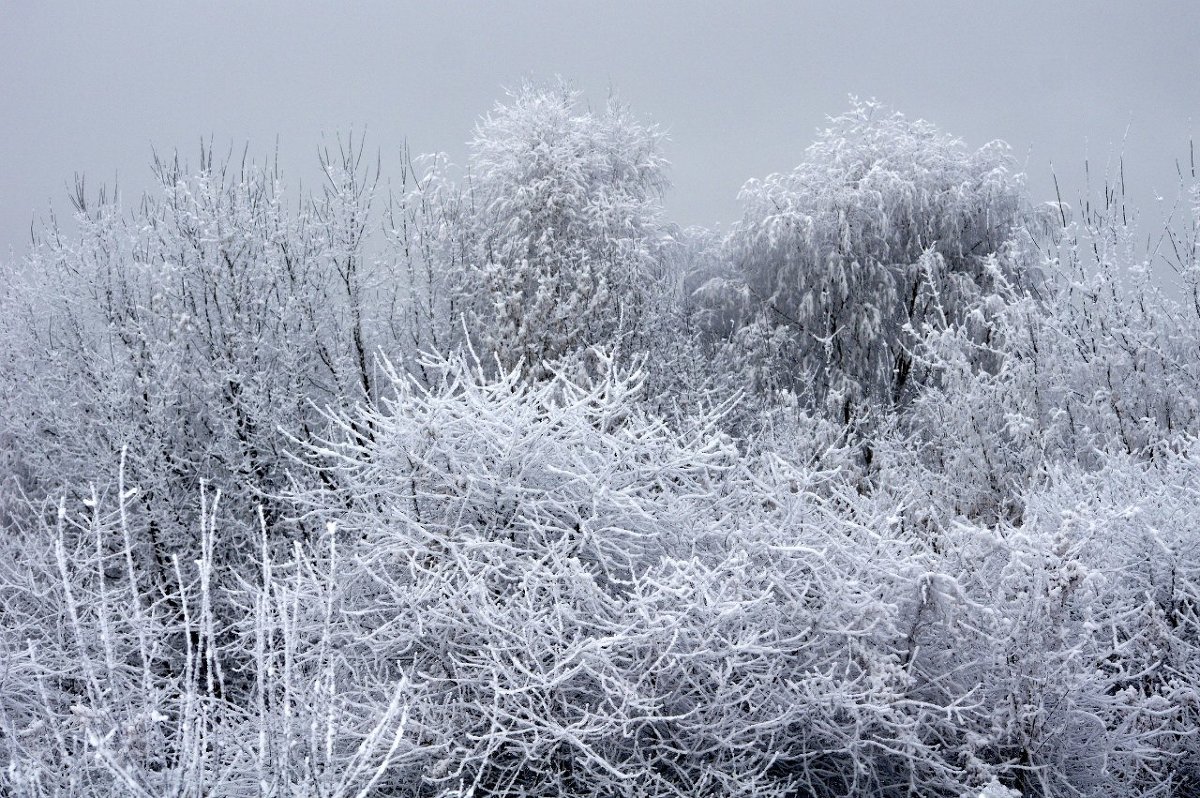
(507, 486)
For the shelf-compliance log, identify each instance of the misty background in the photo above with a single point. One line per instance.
(741, 88)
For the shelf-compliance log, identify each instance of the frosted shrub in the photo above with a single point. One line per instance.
(1118, 668)
(104, 690)
(582, 600)
(502, 529)
(538, 588)
(1079, 630)
(119, 689)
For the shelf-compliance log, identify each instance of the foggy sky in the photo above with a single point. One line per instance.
(740, 87)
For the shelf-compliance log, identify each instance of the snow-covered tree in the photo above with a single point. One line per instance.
(1098, 360)
(567, 210)
(188, 331)
(887, 224)
(429, 235)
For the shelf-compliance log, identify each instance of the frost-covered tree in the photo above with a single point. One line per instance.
(429, 235)
(886, 224)
(568, 227)
(1099, 360)
(188, 331)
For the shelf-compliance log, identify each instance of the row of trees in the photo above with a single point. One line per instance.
(501, 484)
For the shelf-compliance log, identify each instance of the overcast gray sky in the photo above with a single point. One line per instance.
(741, 87)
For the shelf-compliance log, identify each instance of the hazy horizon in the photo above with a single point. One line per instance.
(741, 91)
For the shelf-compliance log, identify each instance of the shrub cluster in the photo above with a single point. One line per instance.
(508, 487)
